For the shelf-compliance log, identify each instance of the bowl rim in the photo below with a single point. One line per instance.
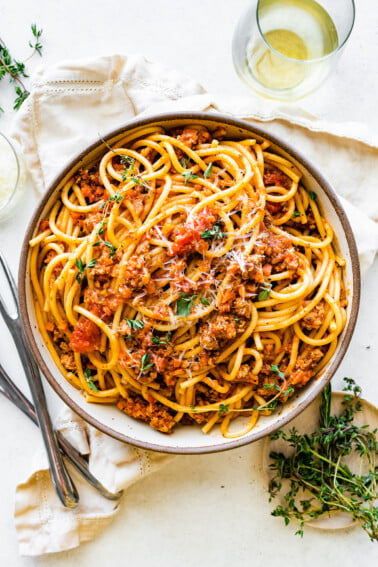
(322, 380)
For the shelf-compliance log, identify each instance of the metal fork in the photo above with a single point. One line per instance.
(64, 486)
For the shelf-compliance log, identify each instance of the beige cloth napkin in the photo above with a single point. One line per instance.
(71, 105)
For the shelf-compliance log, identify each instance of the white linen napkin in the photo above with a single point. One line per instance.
(71, 105)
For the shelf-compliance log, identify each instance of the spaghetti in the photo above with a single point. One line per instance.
(188, 278)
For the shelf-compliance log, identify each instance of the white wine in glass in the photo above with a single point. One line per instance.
(285, 48)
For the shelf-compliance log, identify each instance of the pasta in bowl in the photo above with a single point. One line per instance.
(185, 279)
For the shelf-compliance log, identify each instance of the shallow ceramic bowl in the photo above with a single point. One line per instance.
(190, 439)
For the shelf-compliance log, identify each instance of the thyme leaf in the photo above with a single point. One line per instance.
(135, 324)
(145, 365)
(184, 304)
(214, 232)
(89, 380)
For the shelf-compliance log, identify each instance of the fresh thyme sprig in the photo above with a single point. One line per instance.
(317, 467)
(16, 70)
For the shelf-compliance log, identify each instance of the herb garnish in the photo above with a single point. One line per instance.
(159, 341)
(274, 368)
(184, 304)
(282, 391)
(223, 409)
(188, 175)
(266, 288)
(139, 181)
(128, 165)
(296, 214)
(204, 301)
(313, 195)
(101, 229)
(145, 365)
(317, 466)
(116, 198)
(16, 69)
(135, 324)
(127, 160)
(208, 170)
(82, 266)
(89, 380)
(268, 406)
(214, 232)
(112, 248)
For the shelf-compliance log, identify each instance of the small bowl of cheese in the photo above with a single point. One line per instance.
(9, 173)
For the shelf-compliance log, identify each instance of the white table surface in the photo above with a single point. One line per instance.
(199, 510)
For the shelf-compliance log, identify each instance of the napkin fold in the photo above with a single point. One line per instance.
(43, 525)
(71, 105)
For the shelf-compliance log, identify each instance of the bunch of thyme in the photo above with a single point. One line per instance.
(16, 70)
(317, 467)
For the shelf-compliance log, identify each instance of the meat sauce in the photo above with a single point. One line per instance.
(187, 239)
(140, 277)
(86, 336)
